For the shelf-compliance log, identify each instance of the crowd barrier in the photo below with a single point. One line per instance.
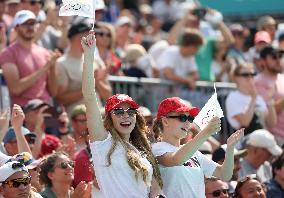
(150, 92)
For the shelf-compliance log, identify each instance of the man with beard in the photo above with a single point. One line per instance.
(270, 84)
(28, 69)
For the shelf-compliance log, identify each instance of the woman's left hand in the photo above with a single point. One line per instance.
(234, 138)
(83, 190)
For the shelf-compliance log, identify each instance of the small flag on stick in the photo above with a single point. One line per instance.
(211, 109)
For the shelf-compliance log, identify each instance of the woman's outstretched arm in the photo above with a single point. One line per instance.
(94, 118)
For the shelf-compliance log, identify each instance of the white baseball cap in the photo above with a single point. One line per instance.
(23, 16)
(122, 21)
(9, 169)
(4, 158)
(264, 139)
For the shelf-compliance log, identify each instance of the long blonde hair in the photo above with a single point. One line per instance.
(139, 140)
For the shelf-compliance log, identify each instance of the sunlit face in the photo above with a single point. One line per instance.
(252, 189)
(216, 189)
(176, 127)
(21, 191)
(245, 77)
(273, 63)
(63, 171)
(103, 37)
(125, 123)
(27, 30)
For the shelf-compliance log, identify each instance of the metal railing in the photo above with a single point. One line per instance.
(150, 92)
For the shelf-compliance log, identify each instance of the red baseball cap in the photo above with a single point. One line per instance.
(262, 36)
(49, 144)
(175, 104)
(117, 99)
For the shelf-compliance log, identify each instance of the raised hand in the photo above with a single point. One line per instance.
(40, 119)
(4, 122)
(234, 138)
(89, 43)
(18, 117)
(213, 126)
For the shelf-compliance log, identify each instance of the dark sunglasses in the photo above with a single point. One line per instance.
(120, 112)
(35, 2)
(277, 56)
(217, 193)
(247, 74)
(15, 183)
(64, 165)
(183, 118)
(102, 34)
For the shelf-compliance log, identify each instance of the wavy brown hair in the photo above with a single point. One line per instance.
(158, 129)
(139, 140)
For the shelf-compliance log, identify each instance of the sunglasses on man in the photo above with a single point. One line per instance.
(218, 192)
(15, 183)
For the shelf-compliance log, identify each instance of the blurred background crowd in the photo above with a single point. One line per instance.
(163, 42)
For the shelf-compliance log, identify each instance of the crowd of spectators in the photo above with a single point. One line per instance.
(44, 138)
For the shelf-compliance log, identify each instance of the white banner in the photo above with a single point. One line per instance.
(211, 109)
(85, 8)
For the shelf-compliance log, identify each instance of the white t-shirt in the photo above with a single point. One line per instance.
(118, 179)
(181, 66)
(237, 103)
(186, 180)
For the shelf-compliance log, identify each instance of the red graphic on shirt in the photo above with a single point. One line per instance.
(192, 162)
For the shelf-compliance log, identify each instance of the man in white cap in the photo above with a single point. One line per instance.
(34, 77)
(15, 181)
(261, 146)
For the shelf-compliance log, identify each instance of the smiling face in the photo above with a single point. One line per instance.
(252, 189)
(175, 127)
(63, 171)
(123, 123)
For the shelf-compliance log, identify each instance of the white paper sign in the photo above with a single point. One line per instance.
(85, 8)
(211, 109)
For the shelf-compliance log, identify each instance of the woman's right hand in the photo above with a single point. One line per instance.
(89, 43)
(213, 126)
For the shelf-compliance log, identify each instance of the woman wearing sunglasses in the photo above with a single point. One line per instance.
(56, 174)
(183, 167)
(123, 162)
(15, 181)
(250, 187)
(245, 108)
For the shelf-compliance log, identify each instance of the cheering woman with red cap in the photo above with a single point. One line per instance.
(123, 162)
(183, 167)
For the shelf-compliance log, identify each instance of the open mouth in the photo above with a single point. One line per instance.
(125, 124)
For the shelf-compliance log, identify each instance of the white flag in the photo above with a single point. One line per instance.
(85, 8)
(211, 109)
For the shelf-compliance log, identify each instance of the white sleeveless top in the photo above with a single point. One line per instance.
(118, 180)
